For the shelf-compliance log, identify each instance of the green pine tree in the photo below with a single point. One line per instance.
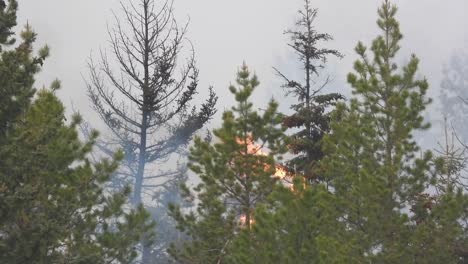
(52, 205)
(380, 176)
(17, 67)
(297, 226)
(235, 176)
(7, 21)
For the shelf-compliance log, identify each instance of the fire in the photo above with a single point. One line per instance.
(252, 149)
(243, 219)
(280, 171)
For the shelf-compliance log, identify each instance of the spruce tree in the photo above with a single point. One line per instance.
(383, 181)
(311, 115)
(236, 176)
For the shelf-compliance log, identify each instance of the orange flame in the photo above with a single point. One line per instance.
(280, 171)
(243, 220)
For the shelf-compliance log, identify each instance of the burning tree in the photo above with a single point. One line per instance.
(236, 175)
(296, 227)
(311, 114)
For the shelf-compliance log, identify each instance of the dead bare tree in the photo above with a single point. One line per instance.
(144, 103)
(453, 152)
(143, 90)
(454, 106)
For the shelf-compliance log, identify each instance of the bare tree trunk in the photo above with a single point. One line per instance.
(141, 165)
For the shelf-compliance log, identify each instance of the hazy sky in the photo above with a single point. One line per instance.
(227, 32)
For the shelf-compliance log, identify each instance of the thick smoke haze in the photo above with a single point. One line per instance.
(388, 217)
(225, 33)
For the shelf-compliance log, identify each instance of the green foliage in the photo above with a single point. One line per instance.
(7, 21)
(379, 174)
(235, 176)
(52, 205)
(298, 226)
(17, 69)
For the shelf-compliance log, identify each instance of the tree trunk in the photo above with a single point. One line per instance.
(141, 164)
(146, 254)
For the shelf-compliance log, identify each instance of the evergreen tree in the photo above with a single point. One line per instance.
(312, 112)
(52, 205)
(297, 226)
(17, 67)
(380, 176)
(7, 21)
(235, 176)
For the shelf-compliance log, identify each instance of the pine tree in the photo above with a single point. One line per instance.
(17, 67)
(312, 112)
(380, 176)
(53, 208)
(8, 21)
(296, 226)
(52, 205)
(235, 176)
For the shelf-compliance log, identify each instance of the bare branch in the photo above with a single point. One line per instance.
(142, 93)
